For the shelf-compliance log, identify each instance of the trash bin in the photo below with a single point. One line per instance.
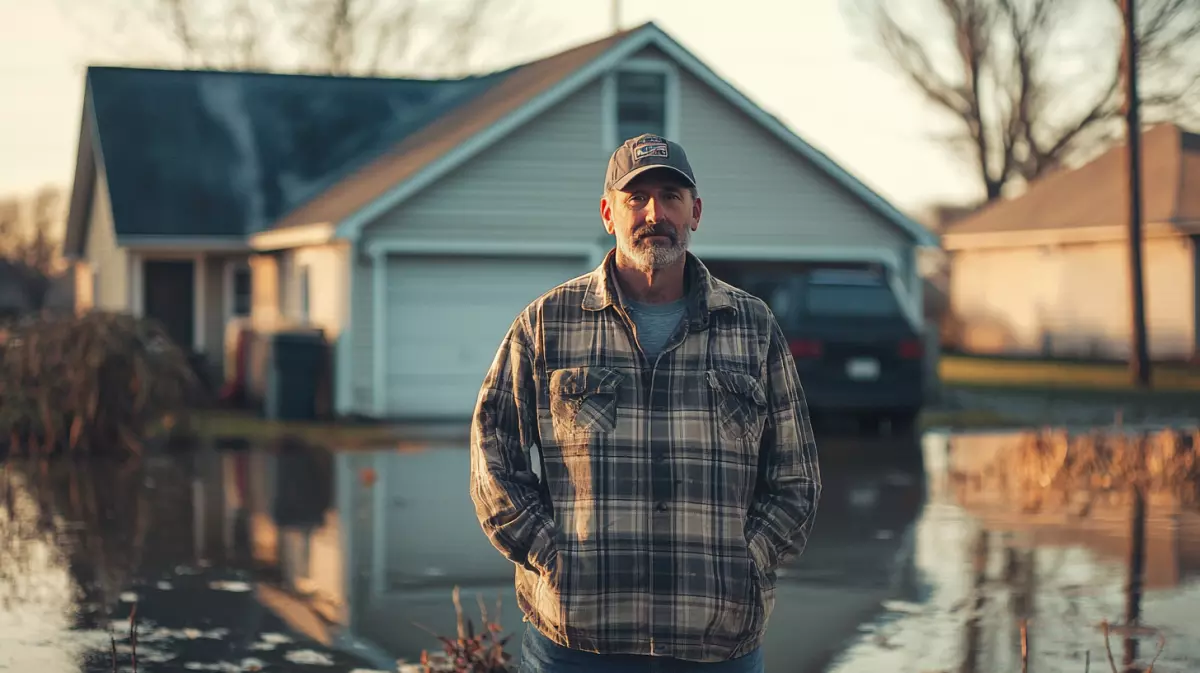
(297, 364)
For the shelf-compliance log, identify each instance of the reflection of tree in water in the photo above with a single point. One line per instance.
(87, 520)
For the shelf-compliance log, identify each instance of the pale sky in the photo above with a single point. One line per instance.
(795, 58)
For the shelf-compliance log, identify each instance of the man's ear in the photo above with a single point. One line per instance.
(606, 214)
(697, 208)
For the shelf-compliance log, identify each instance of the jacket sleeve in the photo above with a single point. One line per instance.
(504, 488)
(789, 478)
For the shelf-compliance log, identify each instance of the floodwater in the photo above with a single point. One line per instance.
(301, 559)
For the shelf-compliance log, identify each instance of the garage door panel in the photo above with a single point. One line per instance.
(446, 317)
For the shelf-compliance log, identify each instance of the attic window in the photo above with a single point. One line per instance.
(641, 104)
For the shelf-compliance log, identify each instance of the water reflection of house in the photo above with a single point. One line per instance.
(1103, 529)
(362, 545)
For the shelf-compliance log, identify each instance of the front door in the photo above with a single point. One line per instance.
(169, 297)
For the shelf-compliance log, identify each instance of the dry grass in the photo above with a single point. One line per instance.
(215, 424)
(958, 370)
(1059, 468)
(88, 385)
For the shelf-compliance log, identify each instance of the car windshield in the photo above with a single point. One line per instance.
(871, 301)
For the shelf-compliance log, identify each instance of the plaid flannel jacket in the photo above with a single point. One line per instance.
(670, 492)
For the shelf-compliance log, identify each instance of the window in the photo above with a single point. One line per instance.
(873, 301)
(641, 104)
(242, 296)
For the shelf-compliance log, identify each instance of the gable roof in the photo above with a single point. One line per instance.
(224, 154)
(1095, 196)
(473, 128)
(239, 153)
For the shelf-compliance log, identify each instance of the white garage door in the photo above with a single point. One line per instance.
(446, 317)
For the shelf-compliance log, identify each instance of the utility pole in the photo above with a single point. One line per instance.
(615, 9)
(1139, 362)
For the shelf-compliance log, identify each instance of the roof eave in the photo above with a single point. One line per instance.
(183, 242)
(296, 236)
(1026, 238)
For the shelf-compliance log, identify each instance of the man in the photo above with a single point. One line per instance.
(677, 466)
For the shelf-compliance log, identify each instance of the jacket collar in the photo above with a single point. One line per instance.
(705, 293)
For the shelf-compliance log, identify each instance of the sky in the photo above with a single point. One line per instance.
(797, 59)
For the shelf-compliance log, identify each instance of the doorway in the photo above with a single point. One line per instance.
(169, 296)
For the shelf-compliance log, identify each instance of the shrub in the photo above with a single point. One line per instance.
(89, 385)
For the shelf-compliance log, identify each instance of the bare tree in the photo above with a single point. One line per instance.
(341, 37)
(1030, 85)
(30, 230)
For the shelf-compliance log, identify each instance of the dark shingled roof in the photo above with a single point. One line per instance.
(211, 153)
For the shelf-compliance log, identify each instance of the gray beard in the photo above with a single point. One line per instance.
(651, 256)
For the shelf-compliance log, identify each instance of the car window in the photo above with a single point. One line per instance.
(875, 301)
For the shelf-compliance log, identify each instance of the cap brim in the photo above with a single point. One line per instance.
(628, 177)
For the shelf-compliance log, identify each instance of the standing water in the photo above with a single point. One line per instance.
(301, 559)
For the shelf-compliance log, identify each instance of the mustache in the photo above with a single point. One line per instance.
(656, 230)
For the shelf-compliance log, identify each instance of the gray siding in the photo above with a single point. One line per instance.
(758, 192)
(544, 179)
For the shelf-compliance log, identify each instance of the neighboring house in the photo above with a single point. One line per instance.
(412, 220)
(1047, 272)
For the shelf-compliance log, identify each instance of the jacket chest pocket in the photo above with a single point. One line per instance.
(583, 403)
(739, 402)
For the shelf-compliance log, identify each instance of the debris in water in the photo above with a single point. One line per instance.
(186, 570)
(276, 638)
(239, 587)
(164, 586)
(129, 597)
(903, 607)
(308, 657)
(227, 667)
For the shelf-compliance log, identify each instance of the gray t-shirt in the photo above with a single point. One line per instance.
(655, 323)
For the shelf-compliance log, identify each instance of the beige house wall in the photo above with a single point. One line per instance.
(1074, 300)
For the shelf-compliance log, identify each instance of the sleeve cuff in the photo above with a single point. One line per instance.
(761, 552)
(541, 552)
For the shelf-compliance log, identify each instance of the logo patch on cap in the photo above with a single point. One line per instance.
(646, 149)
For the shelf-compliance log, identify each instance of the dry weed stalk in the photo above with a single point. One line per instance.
(471, 652)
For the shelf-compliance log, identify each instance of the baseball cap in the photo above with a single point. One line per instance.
(643, 153)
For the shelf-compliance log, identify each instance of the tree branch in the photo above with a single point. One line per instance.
(1007, 86)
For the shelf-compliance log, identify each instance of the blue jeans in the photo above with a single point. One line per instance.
(539, 654)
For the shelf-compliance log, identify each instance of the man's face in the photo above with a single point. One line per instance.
(652, 219)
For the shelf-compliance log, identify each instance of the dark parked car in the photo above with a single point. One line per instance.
(855, 350)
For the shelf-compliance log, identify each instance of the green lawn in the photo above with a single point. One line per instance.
(209, 425)
(957, 370)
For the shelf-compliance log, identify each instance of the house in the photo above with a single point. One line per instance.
(1046, 273)
(412, 219)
